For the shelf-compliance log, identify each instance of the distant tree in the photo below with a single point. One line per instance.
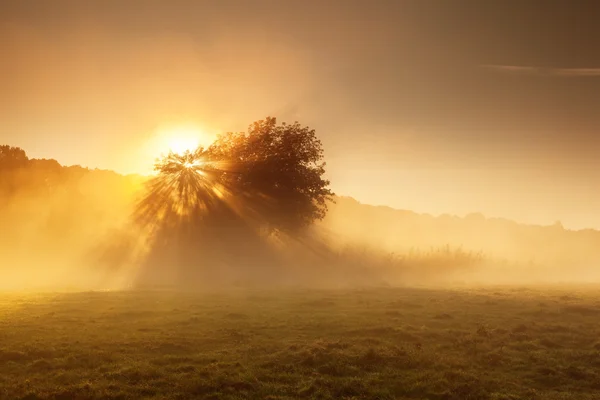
(45, 164)
(12, 157)
(558, 225)
(12, 160)
(475, 217)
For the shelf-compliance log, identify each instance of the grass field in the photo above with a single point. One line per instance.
(495, 343)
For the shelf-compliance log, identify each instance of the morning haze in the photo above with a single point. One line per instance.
(282, 199)
(402, 89)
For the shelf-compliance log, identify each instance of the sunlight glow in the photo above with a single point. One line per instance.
(195, 165)
(177, 137)
(184, 137)
(183, 141)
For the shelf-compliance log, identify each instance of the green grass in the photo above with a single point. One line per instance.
(497, 343)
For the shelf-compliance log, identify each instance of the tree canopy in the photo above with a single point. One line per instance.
(12, 157)
(273, 174)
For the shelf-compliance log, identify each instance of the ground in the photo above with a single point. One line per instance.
(494, 343)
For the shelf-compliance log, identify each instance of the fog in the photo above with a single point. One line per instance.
(52, 217)
(69, 228)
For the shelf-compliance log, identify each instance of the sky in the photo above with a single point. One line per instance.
(434, 106)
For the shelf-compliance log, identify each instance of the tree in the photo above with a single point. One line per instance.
(211, 207)
(273, 174)
(12, 161)
(278, 169)
(12, 157)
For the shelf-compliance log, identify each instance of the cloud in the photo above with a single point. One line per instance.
(577, 71)
(528, 70)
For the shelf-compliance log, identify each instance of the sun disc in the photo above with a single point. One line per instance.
(182, 138)
(181, 144)
(177, 137)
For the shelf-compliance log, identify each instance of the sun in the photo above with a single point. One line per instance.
(180, 144)
(184, 137)
(176, 137)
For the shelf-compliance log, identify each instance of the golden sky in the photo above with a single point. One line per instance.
(439, 107)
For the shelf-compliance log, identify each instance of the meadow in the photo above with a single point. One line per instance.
(373, 343)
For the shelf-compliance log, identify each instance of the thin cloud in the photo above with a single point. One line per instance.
(512, 69)
(528, 70)
(577, 72)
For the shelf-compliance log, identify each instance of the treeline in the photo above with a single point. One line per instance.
(401, 231)
(57, 196)
(20, 174)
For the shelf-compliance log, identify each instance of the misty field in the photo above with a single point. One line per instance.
(500, 343)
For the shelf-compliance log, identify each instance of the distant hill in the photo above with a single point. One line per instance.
(402, 230)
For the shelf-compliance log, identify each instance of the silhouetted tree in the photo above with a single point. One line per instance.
(278, 169)
(272, 174)
(12, 157)
(213, 206)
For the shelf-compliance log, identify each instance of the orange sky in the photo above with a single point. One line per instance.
(422, 106)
